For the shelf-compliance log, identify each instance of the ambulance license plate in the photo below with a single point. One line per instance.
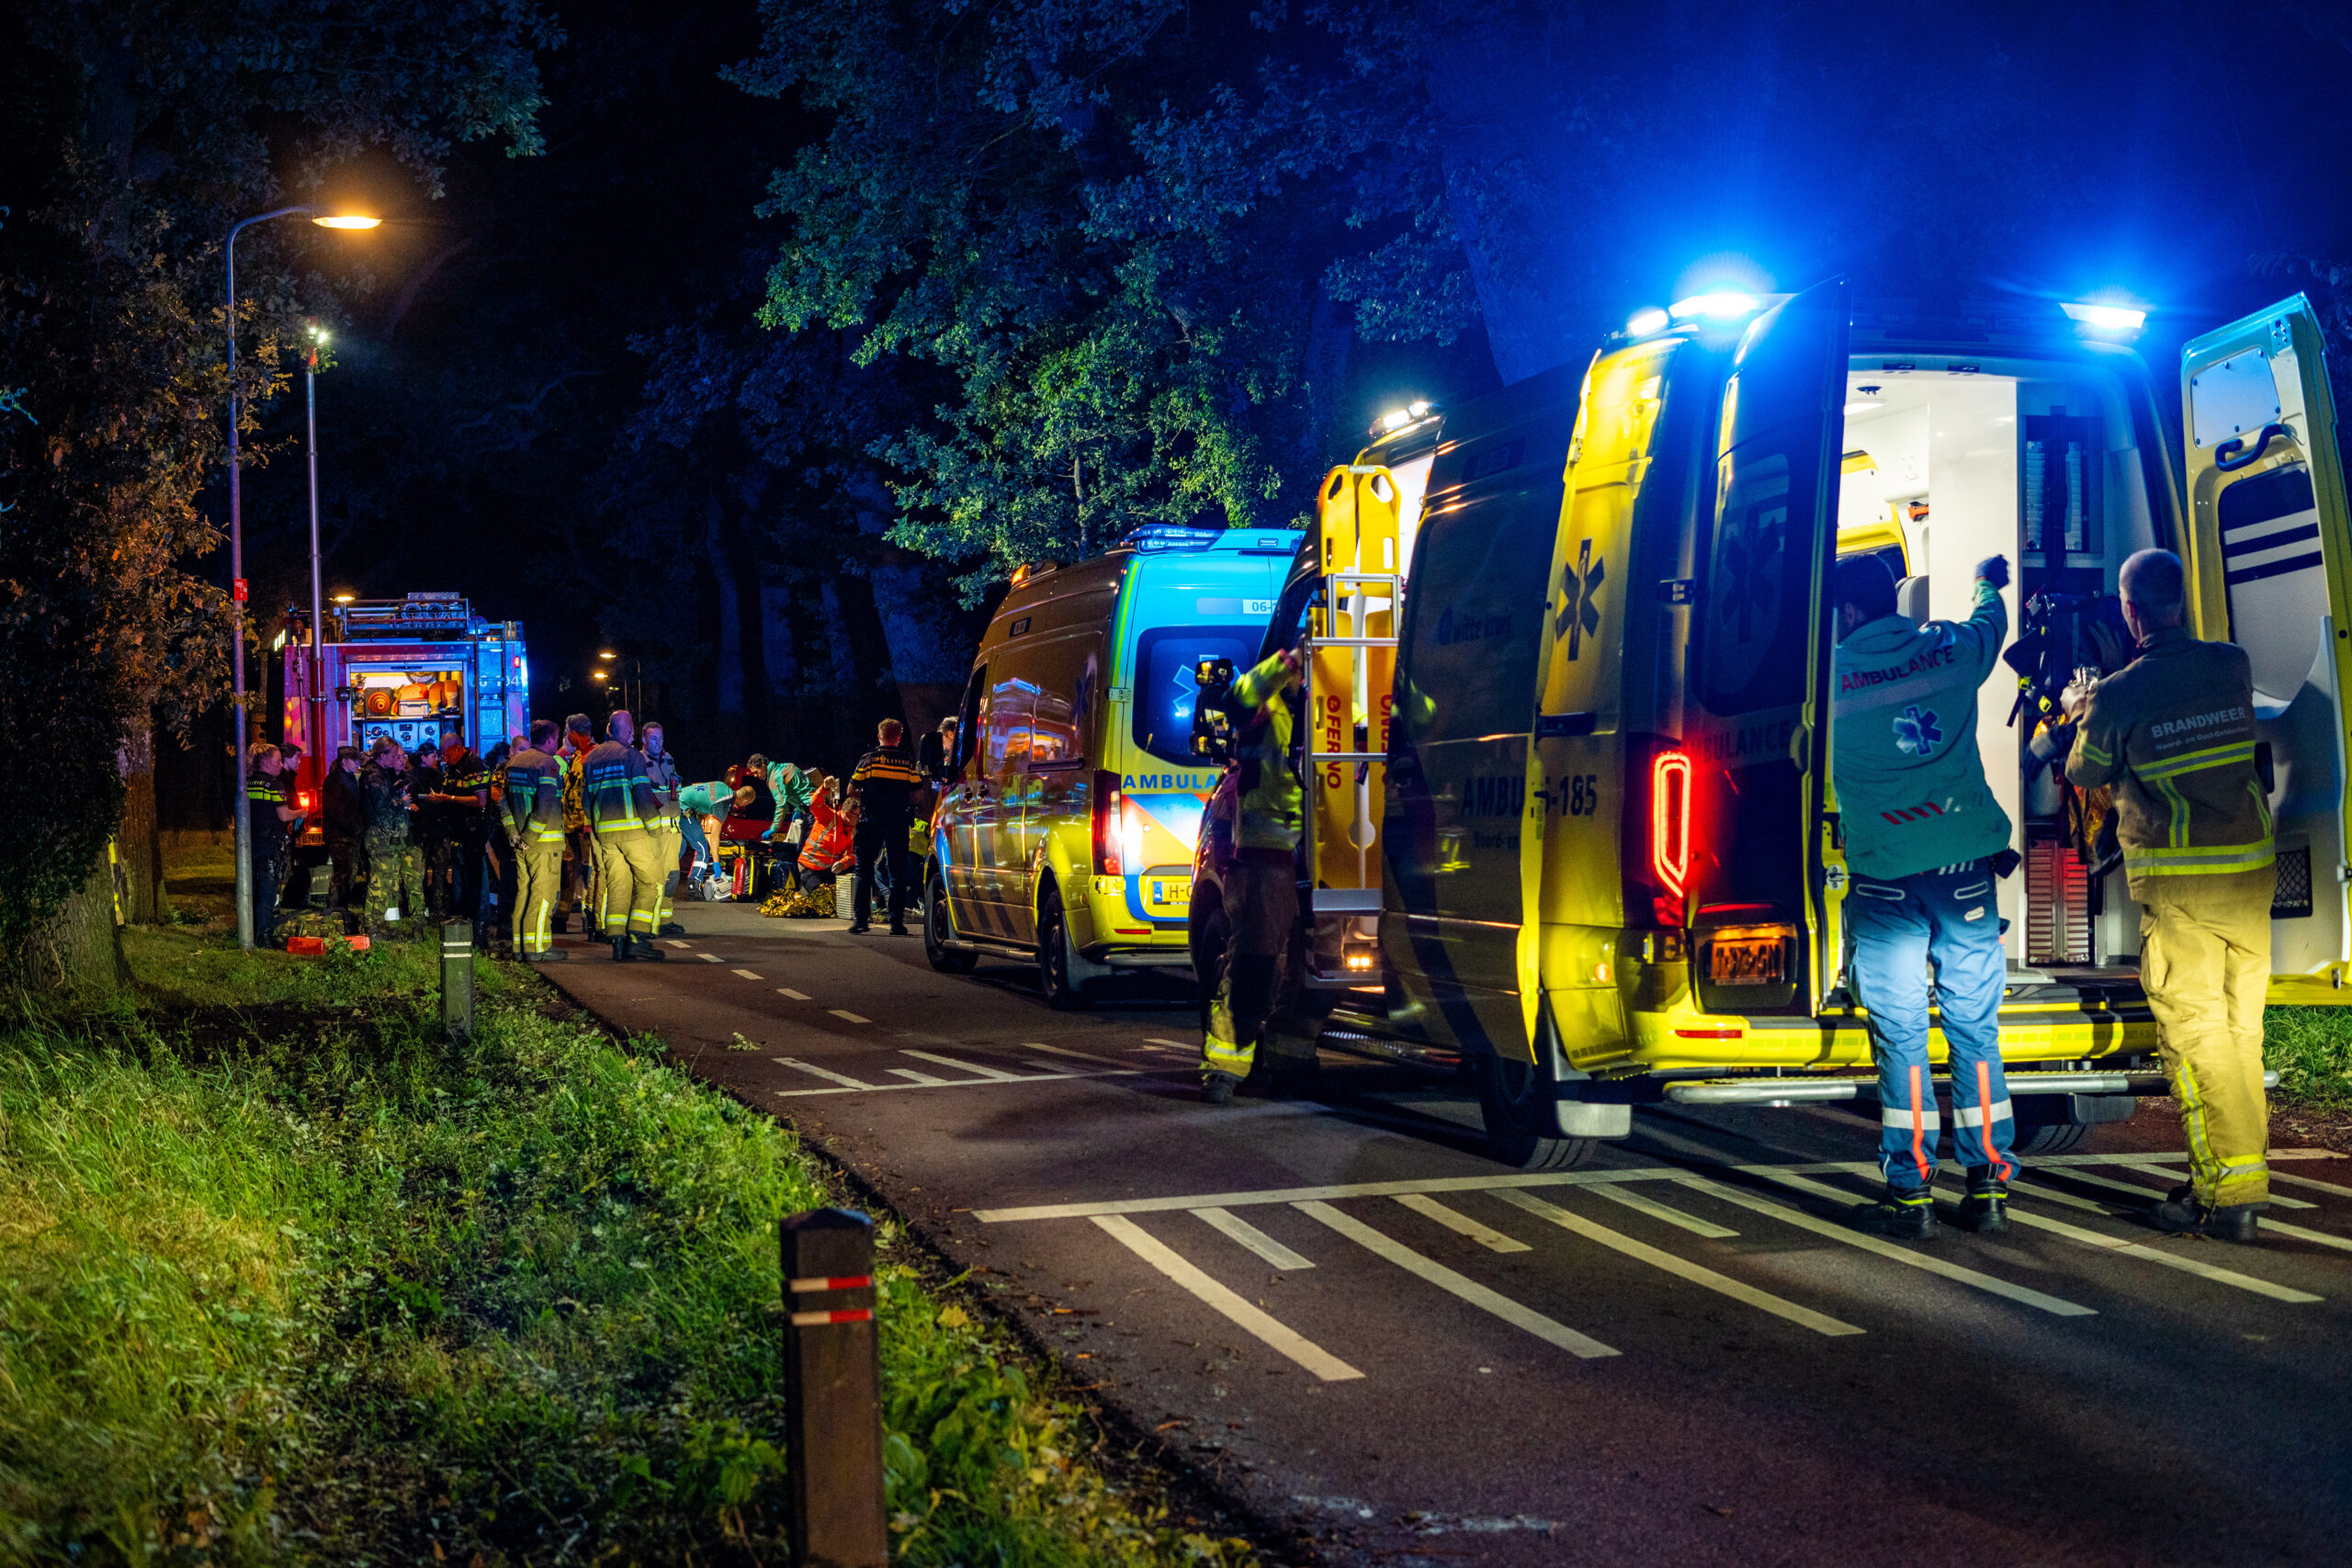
(1167, 890)
(1748, 961)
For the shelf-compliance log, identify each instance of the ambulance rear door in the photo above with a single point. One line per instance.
(1757, 715)
(2271, 570)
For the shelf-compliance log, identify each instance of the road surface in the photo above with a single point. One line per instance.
(1359, 1329)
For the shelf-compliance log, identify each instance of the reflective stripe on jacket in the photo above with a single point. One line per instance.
(615, 790)
(533, 803)
(2174, 731)
(1271, 797)
(1911, 790)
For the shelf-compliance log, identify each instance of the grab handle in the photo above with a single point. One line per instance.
(2231, 455)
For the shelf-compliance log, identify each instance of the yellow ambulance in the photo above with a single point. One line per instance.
(1610, 862)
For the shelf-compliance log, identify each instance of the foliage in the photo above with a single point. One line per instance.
(2311, 1050)
(138, 131)
(304, 1284)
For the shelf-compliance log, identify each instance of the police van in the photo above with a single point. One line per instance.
(1610, 864)
(1065, 838)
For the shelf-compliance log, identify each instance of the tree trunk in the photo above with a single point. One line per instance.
(84, 947)
(139, 847)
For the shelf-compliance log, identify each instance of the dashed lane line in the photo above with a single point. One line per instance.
(859, 1086)
(2118, 1245)
(1253, 1321)
(710, 958)
(1460, 1285)
(848, 1017)
(675, 942)
(1172, 1045)
(921, 1081)
(745, 973)
(2151, 1168)
(1486, 1237)
(1083, 1056)
(1251, 1236)
(973, 1067)
(1681, 1268)
(1641, 1203)
(795, 996)
(1854, 1238)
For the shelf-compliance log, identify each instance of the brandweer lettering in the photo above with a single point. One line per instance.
(2196, 722)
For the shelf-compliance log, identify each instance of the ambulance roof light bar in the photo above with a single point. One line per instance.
(2108, 317)
(1717, 305)
(1412, 413)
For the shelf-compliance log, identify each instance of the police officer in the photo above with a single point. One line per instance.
(1922, 831)
(272, 819)
(1261, 884)
(2174, 732)
(886, 780)
(661, 772)
(395, 879)
(465, 813)
(533, 812)
(621, 804)
(289, 765)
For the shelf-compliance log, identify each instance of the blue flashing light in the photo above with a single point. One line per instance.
(1720, 305)
(2100, 316)
(1154, 536)
(1646, 321)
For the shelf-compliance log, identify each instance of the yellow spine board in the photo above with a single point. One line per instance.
(1358, 527)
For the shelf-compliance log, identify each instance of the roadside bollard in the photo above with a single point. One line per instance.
(832, 1391)
(457, 980)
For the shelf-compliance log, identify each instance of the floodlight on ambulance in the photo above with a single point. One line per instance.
(1396, 420)
(1646, 321)
(1717, 305)
(2104, 316)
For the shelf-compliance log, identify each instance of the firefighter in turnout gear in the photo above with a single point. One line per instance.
(1922, 834)
(2174, 732)
(661, 772)
(623, 811)
(1262, 887)
(534, 807)
(395, 877)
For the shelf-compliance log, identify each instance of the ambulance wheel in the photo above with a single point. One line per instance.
(1062, 973)
(937, 928)
(2052, 1138)
(1517, 1101)
(1208, 936)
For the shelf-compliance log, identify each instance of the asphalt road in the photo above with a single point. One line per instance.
(1355, 1327)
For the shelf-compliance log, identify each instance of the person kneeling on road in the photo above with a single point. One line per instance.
(2174, 731)
(1923, 834)
(1261, 884)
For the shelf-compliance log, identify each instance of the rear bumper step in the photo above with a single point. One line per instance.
(1794, 1090)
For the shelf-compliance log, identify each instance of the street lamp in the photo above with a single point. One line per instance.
(314, 719)
(240, 817)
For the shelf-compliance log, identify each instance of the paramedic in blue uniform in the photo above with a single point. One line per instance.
(1922, 831)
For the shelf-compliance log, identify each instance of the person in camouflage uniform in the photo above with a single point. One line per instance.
(396, 878)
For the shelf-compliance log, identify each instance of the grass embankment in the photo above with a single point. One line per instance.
(2311, 1048)
(299, 1283)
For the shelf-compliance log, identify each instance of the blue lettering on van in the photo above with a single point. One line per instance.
(1500, 795)
(1165, 781)
(1453, 629)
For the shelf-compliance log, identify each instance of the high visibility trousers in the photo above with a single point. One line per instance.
(673, 843)
(538, 888)
(632, 881)
(1898, 927)
(2205, 963)
(1261, 911)
(608, 914)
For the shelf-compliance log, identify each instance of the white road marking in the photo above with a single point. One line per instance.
(2320, 1238)
(795, 996)
(921, 1079)
(945, 1083)
(1079, 1055)
(1657, 1211)
(2178, 1178)
(2120, 1244)
(1253, 1239)
(675, 942)
(745, 973)
(1192, 1050)
(1259, 1324)
(710, 958)
(1879, 1244)
(973, 1067)
(1460, 1285)
(1764, 1301)
(847, 1016)
(2149, 1194)
(1486, 1237)
(826, 1073)
(2307, 1182)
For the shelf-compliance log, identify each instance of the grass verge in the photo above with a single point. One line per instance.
(293, 1280)
(2311, 1049)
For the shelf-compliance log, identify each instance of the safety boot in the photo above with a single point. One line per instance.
(621, 953)
(2182, 1214)
(1986, 1210)
(551, 955)
(1906, 1216)
(672, 928)
(641, 949)
(1217, 1089)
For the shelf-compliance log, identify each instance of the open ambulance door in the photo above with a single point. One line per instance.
(2270, 569)
(1757, 716)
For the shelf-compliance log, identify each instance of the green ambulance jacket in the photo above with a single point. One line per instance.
(1911, 790)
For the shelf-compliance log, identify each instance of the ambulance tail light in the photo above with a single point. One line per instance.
(1670, 819)
(1112, 836)
(302, 800)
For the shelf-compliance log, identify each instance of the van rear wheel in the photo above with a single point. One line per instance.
(1060, 972)
(1518, 1103)
(938, 927)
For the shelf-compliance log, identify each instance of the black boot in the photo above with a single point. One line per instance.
(1907, 1215)
(2181, 1213)
(621, 953)
(1217, 1089)
(642, 949)
(1986, 1210)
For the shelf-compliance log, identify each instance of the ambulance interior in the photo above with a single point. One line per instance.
(2039, 463)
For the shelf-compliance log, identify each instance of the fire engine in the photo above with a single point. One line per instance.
(415, 668)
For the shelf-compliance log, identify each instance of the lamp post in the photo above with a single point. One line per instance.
(240, 817)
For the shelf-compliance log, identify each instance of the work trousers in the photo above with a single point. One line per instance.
(1949, 916)
(1260, 911)
(2205, 963)
(674, 841)
(348, 874)
(632, 882)
(268, 882)
(538, 888)
(881, 848)
(581, 875)
(395, 889)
